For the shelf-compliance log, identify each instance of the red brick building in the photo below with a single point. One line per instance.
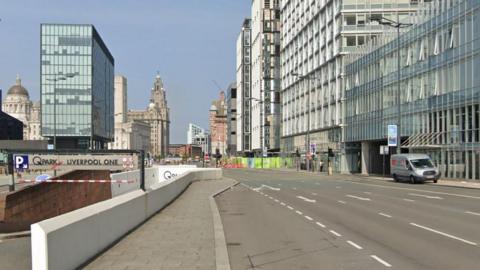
(218, 125)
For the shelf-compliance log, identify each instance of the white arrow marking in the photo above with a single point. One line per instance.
(425, 196)
(359, 198)
(307, 199)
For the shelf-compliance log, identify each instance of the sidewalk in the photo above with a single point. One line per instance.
(441, 182)
(181, 236)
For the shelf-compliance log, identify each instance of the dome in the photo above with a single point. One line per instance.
(213, 108)
(18, 89)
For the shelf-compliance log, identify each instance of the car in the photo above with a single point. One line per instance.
(413, 168)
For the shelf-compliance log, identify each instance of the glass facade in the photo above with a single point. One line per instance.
(440, 94)
(78, 69)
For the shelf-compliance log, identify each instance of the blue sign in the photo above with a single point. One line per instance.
(392, 135)
(21, 162)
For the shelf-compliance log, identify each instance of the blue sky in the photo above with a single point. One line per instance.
(190, 42)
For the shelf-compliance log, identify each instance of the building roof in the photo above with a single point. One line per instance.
(18, 89)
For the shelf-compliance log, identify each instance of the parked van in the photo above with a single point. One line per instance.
(414, 168)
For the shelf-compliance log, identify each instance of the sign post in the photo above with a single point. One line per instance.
(384, 150)
(392, 136)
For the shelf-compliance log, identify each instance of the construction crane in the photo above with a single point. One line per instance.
(217, 85)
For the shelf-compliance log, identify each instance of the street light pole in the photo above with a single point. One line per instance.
(396, 24)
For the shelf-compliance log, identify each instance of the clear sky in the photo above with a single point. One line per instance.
(190, 42)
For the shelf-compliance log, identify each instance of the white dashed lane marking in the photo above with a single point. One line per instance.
(321, 225)
(444, 234)
(425, 196)
(358, 198)
(298, 212)
(385, 215)
(309, 218)
(381, 261)
(289, 207)
(354, 244)
(335, 233)
(408, 200)
(342, 202)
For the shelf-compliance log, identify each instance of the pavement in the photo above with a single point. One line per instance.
(289, 220)
(181, 236)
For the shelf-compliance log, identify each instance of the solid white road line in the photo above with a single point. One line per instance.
(358, 198)
(381, 261)
(307, 199)
(298, 212)
(335, 233)
(444, 234)
(408, 200)
(385, 215)
(425, 196)
(342, 202)
(472, 213)
(321, 225)
(289, 207)
(412, 189)
(354, 244)
(309, 218)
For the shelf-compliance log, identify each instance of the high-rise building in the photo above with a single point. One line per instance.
(218, 126)
(192, 132)
(439, 100)
(129, 135)
(157, 116)
(77, 86)
(120, 99)
(244, 90)
(232, 119)
(316, 37)
(265, 80)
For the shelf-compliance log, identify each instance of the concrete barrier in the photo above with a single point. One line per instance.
(70, 240)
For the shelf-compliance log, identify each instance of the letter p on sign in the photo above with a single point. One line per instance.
(21, 162)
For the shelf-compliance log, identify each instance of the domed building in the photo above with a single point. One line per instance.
(18, 105)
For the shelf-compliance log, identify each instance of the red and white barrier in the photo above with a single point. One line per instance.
(79, 181)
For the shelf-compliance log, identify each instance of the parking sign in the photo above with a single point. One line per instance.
(21, 162)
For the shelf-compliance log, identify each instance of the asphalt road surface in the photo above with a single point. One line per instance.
(288, 220)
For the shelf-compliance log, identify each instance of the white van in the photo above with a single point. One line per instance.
(414, 168)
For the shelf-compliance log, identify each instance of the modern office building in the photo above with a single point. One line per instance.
(192, 132)
(439, 93)
(77, 86)
(232, 119)
(265, 79)
(316, 37)
(244, 90)
(157, 116)
(121, 100)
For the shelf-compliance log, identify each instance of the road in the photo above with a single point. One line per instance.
(288, 220)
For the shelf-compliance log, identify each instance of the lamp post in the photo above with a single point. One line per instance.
(261, 126)
(55, 80)
(307, 141)
(396, 24)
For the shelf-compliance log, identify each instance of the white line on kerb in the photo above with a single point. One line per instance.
(380, 261)
(321, 225)
(385, 215)
(358, 198)
(309, 218)
(354, 244)
(444, 234)
(298, 212)
(408, 200)
(342, 202)
(472, 213)
(289, 207)
(335, 233)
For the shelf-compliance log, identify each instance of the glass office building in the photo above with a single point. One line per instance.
(439, 97)
(77, 81)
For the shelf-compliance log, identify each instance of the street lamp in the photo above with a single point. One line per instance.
(396, 24)
(261, 126)
(55, 80)
(307, 141)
